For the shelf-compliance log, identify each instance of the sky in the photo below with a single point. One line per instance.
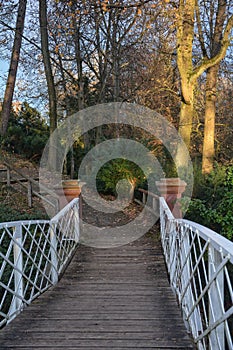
(4, 66)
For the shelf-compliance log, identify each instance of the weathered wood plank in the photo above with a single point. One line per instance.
(107, 299)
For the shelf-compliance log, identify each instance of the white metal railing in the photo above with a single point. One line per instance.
(148, 200)
(33, 254)
(200, 266)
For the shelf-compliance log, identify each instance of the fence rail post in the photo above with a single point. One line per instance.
(18, 262)
(29, 194)
(53, 252)
(216, 299)
(17, 300)
(144, 198)
(8, 176)
(76, 221)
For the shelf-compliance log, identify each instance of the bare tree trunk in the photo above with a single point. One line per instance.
(102, 62)
(79, 64)
(185, 129)
(188, 73)
(185, 33)
(211, 90)
(115, 58)
(52, 156)
(10, 86)
(47, 65)
(209, 129)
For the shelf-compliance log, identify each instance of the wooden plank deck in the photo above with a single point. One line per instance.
(116, 298)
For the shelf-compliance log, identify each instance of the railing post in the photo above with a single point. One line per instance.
(154, 203)
(57, 206)
(29, 194)
(184, 245)
(17, 300)
(144, 198)
(8, 176)
(188, 301)
(172, 239)
(216, 299)
(80, 206)
(76, 221)
(53, 252)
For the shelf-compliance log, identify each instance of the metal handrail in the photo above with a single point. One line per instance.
(33, 255)
(200, 266)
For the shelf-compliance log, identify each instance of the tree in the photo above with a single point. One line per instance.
(216, 25)
(27, 132)
(10, 85)
(224, 125)
(189, 73)
(47, 64)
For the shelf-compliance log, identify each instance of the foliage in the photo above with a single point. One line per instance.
(116, 170)
(129, 53)
(212, 205)
(161, 153)
(27, 133)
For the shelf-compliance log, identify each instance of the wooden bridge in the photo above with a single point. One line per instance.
(114, 298)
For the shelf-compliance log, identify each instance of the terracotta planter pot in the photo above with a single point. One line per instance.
(68, 190)
(171, 189)
(67, 183)
(71, 193)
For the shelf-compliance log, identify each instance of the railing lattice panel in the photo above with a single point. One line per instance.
(200, 265)
(33, 254)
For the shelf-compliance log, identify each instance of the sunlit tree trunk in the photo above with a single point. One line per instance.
(47, 65)
(209, 129)
(10, 86)
(52, 156)
(188, 73)
(211, 90)
(185, 33)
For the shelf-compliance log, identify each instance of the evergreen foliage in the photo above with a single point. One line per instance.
(27, 133)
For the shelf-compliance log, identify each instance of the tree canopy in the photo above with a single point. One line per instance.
(172, 56)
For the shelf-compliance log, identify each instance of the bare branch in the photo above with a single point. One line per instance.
(207, 63)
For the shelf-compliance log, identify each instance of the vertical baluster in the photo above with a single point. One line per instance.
(189, 284)
(162, 223)
(53, 250)
(17, 300)
(76, 221)
(216, 300)
(185, 262)
(173, 237)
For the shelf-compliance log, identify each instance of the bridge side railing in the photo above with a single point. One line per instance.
(200, 266)
(33, 255)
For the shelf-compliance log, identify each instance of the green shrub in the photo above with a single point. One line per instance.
(212, 205)
(116, 170)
